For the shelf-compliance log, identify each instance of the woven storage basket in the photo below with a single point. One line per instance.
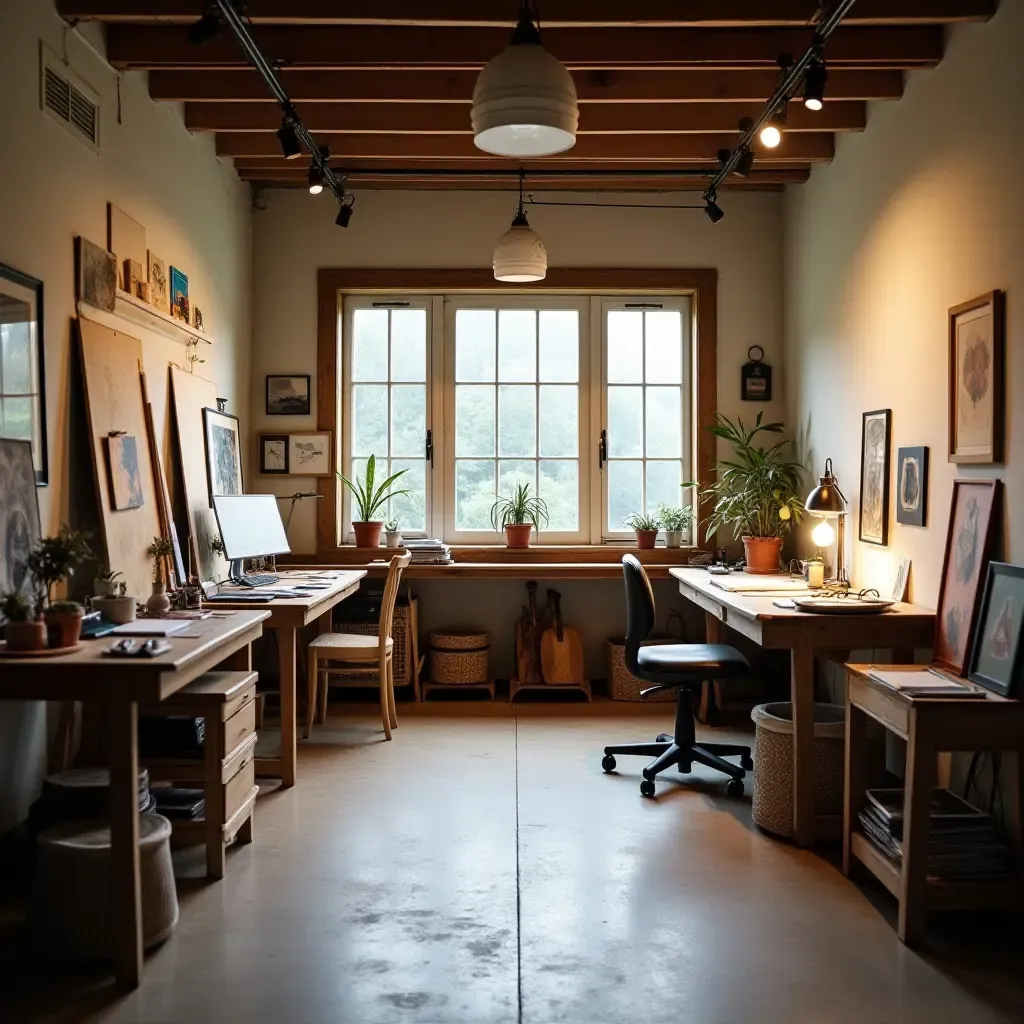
(622, 684)
(772, 807)
(401, 649)
(459, 657)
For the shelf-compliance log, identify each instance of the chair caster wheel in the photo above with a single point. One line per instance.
(608, 763)
(747, 764)
(735, 787)
(647, 788)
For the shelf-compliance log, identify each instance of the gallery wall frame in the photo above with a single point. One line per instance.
(288, 394)
(912, 486)
(19, 514)
(875, 458)
(303, 453)
(21, 301)
(273, 449)
(997, 655)
(223, 453)
(977, 355)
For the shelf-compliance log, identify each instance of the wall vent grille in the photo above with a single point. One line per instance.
(69, 101)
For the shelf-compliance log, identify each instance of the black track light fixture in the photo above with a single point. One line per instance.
(203, 30)
(745, 163)
(814, 85)
(289, 140)
(316, 180)
(345, 210)
(713, 210)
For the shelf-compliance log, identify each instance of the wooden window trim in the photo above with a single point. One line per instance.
(332, 282)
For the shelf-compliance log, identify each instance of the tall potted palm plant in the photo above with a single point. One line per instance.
(370, 499)
(757, 491)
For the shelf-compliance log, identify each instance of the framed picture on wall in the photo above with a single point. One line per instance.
(223, 453)
(288, 394)
(874, 476)
(273, 453)
(976, 359)
(19, 515)
(912, 486)
(997, 659)
(310, 454)
(22, 372)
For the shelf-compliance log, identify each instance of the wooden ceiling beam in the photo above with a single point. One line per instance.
(456, 87)
(151, 47)
(449, 119)
(703, 149)
(556, 13)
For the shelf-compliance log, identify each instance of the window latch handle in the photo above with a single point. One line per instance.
(602, 450)
(430, 447)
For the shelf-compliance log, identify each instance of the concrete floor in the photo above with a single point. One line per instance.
(480, 868)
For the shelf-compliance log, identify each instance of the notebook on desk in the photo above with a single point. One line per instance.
(925, 682)
(744, 584)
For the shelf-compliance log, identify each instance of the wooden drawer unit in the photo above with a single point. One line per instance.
(227, 703)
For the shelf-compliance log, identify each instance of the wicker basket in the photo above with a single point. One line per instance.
(401, 635)
(622, 684)
(459, 657)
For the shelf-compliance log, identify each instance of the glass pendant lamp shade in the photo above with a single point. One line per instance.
(524, 101)
(520, 255)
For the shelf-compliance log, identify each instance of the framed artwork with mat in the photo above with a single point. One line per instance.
(874, 477)
(997, 658)
(19, 514)
(223, 453)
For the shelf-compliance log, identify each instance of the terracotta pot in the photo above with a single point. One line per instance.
(762, 554)
(367, 534)
(63, 628)
(517, 535)
(25, 636)
(645, 539)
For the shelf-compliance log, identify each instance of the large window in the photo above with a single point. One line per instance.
(589, 399)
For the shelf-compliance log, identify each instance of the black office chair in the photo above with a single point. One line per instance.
(682, 666)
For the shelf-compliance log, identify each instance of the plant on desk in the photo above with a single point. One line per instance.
(646, 527)
(53, 561)
(23, 631)
(675, 522)
(371, 500)
(158, 602)
(756, 492)
(105, 584)
(518, 515)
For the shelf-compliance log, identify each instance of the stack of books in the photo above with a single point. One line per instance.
(428, 552)
(962, 840)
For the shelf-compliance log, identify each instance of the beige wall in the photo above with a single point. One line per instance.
(296, 234)
(53, 188)
(923, 211)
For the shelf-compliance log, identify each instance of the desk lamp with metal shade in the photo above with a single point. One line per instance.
(828, 502)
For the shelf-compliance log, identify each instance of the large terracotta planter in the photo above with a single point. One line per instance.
(63, 628)
(25, 636)
(645, 539)
(368, 534)
(517, 535)
(762, 554)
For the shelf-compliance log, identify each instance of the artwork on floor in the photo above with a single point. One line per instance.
(912, 486)
(19, 514)
(223, 453)
(976, 356)
(126, 238)
(273, 453)
(998, 659)
(22, 376)
(156, 272)
(125, 477)
(97, 275)
(969, 542)
(309, 454)
(288, 394)
(874, 477)
(902, 579)
(179, 296)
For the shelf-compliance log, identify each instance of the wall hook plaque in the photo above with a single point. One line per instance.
(756, 377)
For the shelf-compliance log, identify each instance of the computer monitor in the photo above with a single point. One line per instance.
(250, 527)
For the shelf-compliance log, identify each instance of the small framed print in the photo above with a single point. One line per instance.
(273, 453)
(976, 388)
(288, 394)
(912, 486)
(874, 477)
(997, 661)
(309, 454)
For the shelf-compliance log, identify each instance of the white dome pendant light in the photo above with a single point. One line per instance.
(524, 100)
(520, 255)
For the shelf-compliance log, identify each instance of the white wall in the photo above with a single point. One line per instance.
(52, 188)
(921, 212)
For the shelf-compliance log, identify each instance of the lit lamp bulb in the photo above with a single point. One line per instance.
(770, 136)
(823, 535)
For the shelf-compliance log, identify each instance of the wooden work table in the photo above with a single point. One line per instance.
(287, 615)
(120, 685)
(806, 637)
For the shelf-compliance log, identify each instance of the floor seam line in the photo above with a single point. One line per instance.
(519, 898)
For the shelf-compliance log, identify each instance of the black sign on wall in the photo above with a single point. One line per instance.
(756, 377)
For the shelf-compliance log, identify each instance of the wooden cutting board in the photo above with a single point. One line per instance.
(561, 647)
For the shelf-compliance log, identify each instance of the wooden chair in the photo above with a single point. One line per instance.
(352, 649)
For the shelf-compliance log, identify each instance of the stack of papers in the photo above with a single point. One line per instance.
(428, 552)
(925, 682)
(152, 627)
(742, 583)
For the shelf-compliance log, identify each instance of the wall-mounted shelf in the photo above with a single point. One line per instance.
(128, 307)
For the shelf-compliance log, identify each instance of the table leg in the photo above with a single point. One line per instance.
(325, 624)
(126, 886)
(289, 728)
(238, 661)
(855, 784)
(802, 696)
(213, 759)
(714, 630)
(916, 811)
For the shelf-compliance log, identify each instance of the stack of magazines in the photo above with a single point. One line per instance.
(428, 552)
(962, 840)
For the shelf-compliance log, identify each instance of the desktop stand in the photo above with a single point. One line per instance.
(237, 569)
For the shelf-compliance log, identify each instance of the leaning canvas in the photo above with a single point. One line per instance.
(19, 514)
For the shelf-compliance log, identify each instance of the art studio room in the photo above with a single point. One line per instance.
(510, 512)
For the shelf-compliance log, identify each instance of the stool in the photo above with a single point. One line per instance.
(69, 917)
(226, 701)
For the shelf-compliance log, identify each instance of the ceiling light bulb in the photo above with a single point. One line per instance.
(814, 86)
(823, 535)
(770, 136)
(520, 255)
(316, 180)
(524, 100)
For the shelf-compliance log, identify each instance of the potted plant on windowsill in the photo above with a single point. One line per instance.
(756, 492)
(53, 561)
(675, 522)
(518, 515)
(646, 527)
(23, 631)
(158, 603)
(393, 534)
(369, 501)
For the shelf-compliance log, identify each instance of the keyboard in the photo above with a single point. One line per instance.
(256, 579)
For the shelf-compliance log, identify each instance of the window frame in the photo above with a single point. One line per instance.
(334, 284)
